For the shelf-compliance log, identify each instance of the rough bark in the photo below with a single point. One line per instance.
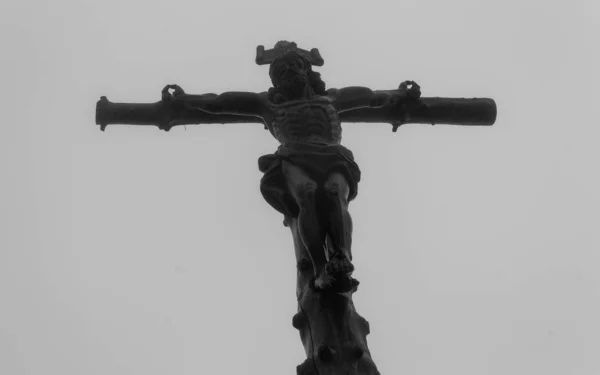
(333, 334)
(452, 111)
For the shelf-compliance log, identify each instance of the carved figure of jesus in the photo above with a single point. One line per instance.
(311, 177)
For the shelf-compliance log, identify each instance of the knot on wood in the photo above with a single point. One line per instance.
(326, 353)
(366, 366)
(354, 352)
(287, 220)
(306, 368)
(304, 265)
(299, 320)
(366, 326)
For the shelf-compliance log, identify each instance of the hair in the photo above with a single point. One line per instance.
(314, 78)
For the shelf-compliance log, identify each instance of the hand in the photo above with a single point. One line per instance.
(380, 100)
(177, 91)
(172, 105)
(411, 88)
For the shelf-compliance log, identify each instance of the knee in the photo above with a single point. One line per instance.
(306, 192)
(336, 190)
(333, 189)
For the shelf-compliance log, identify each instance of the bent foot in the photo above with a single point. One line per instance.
(344, 284)
(339, 265)
(324, 281)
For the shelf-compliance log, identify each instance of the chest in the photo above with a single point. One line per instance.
(314, 120)
(318, 111)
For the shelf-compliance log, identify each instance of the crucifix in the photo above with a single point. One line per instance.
(310, 179)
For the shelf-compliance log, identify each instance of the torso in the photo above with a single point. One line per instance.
(306, 121)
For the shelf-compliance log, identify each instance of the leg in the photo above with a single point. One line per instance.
(339, 226)
(312, 233)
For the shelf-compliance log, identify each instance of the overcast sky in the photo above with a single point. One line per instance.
(136, 251)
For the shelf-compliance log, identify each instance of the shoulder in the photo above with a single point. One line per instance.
(328, 98)
(332, 94)
(263, 97)
(348, 94)
(335, 97)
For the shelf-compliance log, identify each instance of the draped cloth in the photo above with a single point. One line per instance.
(318, 161)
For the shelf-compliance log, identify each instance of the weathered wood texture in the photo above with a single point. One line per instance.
(333, 334)
(452, 111)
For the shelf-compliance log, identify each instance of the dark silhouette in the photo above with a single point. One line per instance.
(310, 179)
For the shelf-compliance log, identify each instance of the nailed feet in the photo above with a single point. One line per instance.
(336, 276)
(339, 265)
(324, 281)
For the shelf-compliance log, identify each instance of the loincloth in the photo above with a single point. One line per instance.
(317, 161)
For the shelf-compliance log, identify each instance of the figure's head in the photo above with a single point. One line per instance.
(290, 74)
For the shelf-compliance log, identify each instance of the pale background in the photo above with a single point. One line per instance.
(136, 251)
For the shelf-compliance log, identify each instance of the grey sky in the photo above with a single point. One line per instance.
(136, 251)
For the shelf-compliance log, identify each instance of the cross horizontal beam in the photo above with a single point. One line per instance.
(433, 110)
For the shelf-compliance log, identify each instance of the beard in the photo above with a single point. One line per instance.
(295, 86)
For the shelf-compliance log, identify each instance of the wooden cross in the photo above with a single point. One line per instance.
(311, 178)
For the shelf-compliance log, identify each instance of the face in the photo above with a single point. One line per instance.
(292, 74)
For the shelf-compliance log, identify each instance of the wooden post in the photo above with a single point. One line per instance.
(333, 334)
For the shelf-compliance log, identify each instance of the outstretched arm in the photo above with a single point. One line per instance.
(356, 97)
(228, 103)
(408, 107)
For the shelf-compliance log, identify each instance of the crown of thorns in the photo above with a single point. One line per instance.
(264, 57)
